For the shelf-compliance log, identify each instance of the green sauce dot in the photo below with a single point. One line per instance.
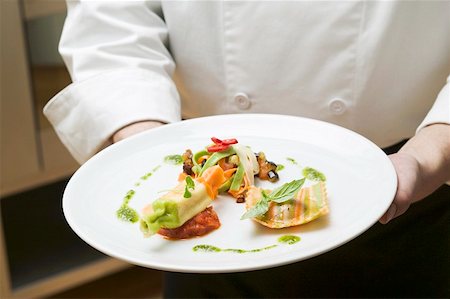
(313, 174)
(128, 214)
(280, 167)
(288, 239)
(292, 161)
(173, 159)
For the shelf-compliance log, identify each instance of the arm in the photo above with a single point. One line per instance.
(134, 128)
(422, 165)
(116, 53)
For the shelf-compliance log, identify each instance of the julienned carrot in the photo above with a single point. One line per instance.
(243, 188)
(182, 176)
(228, 173)
(213, 177)
(202, 158)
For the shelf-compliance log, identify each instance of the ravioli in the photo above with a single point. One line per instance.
(308, 204)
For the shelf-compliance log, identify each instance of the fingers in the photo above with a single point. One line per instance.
(397, 208)
(389, 215)
(407, 178)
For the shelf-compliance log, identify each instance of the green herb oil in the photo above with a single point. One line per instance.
(147, 176)
(173, 159)
(286, 239)
(125, 212)
(292, 161)
(280, 167)
(313, 174)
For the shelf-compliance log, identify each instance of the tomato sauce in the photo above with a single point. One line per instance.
(199, 225)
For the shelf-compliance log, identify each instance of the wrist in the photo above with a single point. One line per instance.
(430, 147)
(133, 129)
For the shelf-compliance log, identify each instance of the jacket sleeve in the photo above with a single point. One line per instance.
(117, 55)
(440, 112)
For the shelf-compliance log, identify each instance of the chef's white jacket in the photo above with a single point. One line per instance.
(378, 68)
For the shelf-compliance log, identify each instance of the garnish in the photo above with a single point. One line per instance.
(173, 159)
(292, 161)
(220, 145)
(279, 195)
(189, 185)
(286, 240)
(125, 212)
(313, 174)
(280, 167)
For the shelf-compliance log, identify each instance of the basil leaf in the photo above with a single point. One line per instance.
(187, 194)
(286, 191)
(189, 185)
(279, 195)
(259, 209)
(190, 182)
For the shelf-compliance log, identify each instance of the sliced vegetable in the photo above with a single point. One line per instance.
(220, 145)
(214, 177)
(217, 148)
(197, 157)
(225, 186)
(238, 178)
(215, 158)
(225, 141)
(248, 160)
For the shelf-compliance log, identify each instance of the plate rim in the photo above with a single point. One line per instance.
(232, 268)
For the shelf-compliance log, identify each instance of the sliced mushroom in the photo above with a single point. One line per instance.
(267, 169)
(187, 162)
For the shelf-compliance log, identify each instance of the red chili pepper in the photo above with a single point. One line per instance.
(229, 141)
(217, 148)
(225, 141)
(216, 140)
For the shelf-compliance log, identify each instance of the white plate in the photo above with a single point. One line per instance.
(361, 184)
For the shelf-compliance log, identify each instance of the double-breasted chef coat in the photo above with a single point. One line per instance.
(378, 68)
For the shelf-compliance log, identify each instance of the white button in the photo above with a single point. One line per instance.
(337, 106)
(242, 100)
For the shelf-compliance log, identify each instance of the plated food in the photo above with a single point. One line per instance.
(229, 168)
(133, 173)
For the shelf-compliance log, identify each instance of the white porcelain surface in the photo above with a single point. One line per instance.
(361, 184)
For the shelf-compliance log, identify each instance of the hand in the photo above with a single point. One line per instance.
(134, 129)
(409, 180)
(422, 166)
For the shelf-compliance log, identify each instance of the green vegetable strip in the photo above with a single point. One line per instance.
(226, 186)
(238, 177)
(197, 156)
(215, 158)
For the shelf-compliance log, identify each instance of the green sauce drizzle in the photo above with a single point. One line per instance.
(292, 161)
(210, 248)
(280, 167)
(125, 212)
(287, 239)
(147, 175)
(173, 159)
(313, 174)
